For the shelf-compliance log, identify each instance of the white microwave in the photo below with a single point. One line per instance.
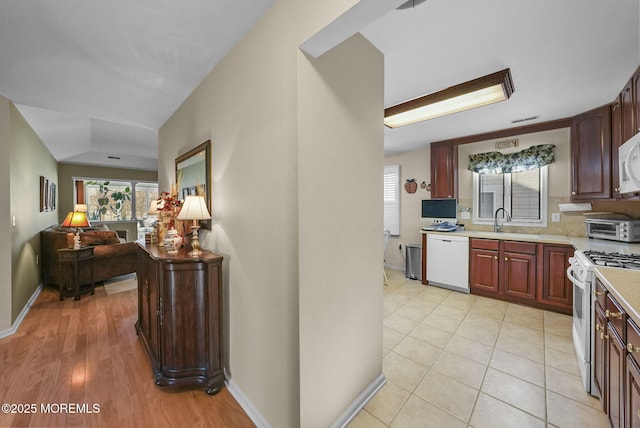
(629, 165)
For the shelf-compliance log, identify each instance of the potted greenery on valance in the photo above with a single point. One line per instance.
(500, 163)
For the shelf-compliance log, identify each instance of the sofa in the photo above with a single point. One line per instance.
(113, 255)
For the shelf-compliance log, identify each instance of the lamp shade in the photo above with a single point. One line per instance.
(194, 208)
(76, 219)
(80, 208)
(153, 208)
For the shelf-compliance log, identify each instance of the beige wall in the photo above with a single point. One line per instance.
(340, 154)
(248, 107)
(414, 164)
(29, 160)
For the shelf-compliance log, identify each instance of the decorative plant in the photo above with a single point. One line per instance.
(113, 202)
(166, 202)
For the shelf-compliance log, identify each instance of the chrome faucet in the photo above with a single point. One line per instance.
(496, 227)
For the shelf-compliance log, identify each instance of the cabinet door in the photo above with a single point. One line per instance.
(632, 380)
(444, 176)
(519, 276)
(632, 394)
(636, 99)
(616, 141)
(147, 271)
(599, 357)
(483, 272)
(615, 378)
(555, 288)
(192, 322)
(591, 155)
(628, 128)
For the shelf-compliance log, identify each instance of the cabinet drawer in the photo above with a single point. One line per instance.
(600, 294)
(633, 340)
(520, 247)
(485, 244)
(616, 316)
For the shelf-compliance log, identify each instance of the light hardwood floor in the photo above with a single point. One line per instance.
(87, 352)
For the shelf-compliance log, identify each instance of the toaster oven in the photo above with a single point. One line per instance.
(623, 230)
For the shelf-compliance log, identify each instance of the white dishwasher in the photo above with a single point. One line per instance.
(448, 261)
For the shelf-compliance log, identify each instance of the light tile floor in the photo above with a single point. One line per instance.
(458, 360)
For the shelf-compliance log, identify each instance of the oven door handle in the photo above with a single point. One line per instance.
(575, 281)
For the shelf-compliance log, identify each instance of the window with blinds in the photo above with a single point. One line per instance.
(392, 199)
(522, 194)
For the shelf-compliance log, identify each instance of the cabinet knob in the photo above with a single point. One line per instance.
(610, 314)
(598, 327)
(573, 193)
(604, 336)
(632, 348)
(506, 259)
(598, 293)
(495, 257)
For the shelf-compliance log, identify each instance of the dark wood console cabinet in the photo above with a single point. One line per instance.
(180, 319)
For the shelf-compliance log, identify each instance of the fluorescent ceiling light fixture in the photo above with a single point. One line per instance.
(475, 93)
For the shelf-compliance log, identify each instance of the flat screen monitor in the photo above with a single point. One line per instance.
(436, 210)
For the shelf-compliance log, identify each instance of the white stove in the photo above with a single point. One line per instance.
(581, 273)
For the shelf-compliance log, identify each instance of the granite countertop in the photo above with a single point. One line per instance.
(624, 285)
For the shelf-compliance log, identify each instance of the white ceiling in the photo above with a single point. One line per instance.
(99, 79)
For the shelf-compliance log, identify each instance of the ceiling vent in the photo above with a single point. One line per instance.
(525, 119)
(410, 4)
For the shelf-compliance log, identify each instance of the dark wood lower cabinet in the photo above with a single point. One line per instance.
(180, 317)
(632, 392)
(600, 352)
(523, 272)
(615, 378)
(617, 354)
(555, 287)
(483, 276)
(519, 275)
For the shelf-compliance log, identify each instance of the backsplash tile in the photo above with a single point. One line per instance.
(571, 223)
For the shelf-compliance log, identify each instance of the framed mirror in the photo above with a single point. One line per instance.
(193, 176)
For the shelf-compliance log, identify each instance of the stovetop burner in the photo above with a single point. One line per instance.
(625, 261)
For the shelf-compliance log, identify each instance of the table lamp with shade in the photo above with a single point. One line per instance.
(194, 208)
(77, 219)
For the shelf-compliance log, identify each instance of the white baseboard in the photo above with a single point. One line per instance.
(246, 405)
(357, 405)
(23, 313)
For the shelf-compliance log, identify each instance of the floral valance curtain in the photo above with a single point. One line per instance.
(524, 160)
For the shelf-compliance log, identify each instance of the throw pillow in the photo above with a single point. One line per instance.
(99, 237)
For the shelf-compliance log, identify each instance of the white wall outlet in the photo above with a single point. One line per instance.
(555, 217)
(465, 215)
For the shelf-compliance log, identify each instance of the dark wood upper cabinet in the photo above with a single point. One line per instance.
(627, 111)
(616, 141)
(444, 170)
(636, 101)
(591, 155)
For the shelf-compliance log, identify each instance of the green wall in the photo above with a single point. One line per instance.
(29, 159)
